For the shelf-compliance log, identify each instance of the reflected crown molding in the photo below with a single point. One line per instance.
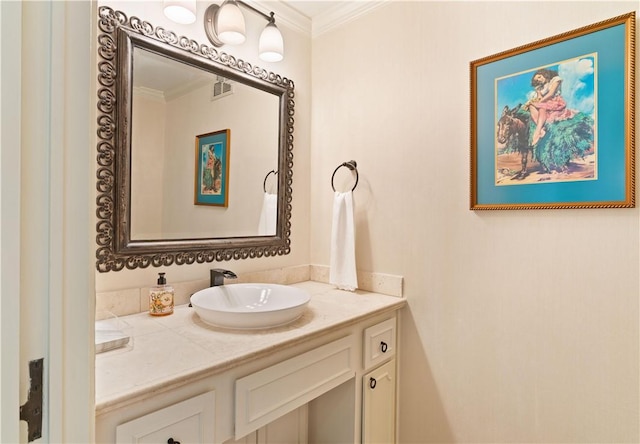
(149, 93)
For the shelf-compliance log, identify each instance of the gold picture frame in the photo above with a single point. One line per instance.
(553, 122)
(211, 181)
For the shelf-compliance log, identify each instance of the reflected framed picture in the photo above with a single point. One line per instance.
(212, 168)
(552, 122)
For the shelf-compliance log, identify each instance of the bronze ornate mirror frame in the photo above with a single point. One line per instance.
(117, 37)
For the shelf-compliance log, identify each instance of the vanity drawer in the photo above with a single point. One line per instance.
(379, 343)
(192, 421)
(265, 396)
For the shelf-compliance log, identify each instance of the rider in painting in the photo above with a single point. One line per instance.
(547, 105)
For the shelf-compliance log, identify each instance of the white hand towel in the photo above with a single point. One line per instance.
(342, 269)
(268, 215)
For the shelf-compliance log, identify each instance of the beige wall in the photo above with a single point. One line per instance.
(522, 325)
(296, 66)
(163, 171)
(147, 165)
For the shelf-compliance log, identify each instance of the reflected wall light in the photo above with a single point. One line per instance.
(180, 11)
(225, 25)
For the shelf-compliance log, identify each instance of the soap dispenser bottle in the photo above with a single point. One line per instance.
(161, 298)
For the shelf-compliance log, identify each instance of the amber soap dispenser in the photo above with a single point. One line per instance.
(161, 298)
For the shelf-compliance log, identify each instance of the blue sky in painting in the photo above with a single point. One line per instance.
(578, 81)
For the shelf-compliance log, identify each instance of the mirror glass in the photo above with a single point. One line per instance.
(195, 151)
(168, 112)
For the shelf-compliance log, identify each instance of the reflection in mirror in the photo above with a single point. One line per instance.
(168, 111)
(161, 97)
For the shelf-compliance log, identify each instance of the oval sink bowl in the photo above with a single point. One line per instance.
(250, 306)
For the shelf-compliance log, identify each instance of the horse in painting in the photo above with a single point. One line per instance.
(513, 132)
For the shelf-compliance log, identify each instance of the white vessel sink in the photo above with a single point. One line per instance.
(250, 306)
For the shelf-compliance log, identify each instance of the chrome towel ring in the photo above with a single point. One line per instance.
(264, 184)
(353, 166)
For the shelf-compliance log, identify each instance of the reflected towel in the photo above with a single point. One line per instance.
(268, 215)
(342, 269)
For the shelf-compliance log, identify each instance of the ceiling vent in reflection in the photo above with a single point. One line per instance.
(222, 87)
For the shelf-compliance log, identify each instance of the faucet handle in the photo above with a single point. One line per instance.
(218, 275)
(226, 273)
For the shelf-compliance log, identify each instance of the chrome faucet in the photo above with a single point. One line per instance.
(218, 275)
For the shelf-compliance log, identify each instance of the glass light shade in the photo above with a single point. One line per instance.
(271, 45)
(180, 11)
(230, 24)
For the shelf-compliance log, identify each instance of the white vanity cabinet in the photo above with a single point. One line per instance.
(311, 386)
(379, 405)
(190, 421)
(379, 384)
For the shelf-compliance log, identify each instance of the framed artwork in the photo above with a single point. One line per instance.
(552, 122)
(212, 169)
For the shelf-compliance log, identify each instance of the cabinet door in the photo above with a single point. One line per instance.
(191, 421)
(379, 405)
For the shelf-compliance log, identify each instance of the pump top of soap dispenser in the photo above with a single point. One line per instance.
(161, 279)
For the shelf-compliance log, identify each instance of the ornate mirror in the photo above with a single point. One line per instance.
(194, 154)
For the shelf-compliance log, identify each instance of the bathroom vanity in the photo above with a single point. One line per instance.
(330, 376)
(327, 377)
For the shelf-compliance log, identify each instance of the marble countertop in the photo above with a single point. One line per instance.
(171, 349)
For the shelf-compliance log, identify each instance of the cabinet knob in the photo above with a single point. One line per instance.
(372, 383)
(383, 347)
(172, 441)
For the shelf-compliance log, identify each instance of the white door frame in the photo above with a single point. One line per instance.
(46, 198)
(10, 85)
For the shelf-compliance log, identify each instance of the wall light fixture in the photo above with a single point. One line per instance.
(224, 24)
(180, 11)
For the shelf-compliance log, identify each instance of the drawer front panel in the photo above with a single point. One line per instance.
(379, 343)
(264, 396)
(190, 421)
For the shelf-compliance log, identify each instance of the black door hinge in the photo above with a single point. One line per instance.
(31, 411)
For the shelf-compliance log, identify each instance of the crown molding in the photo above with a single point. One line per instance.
(342, 12)
(285, 14)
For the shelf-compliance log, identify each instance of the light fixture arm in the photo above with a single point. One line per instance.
(210, 20)
(270, 19)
